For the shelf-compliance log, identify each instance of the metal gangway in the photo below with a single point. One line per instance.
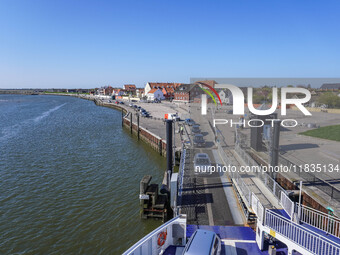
(297, 237)
(301, 228)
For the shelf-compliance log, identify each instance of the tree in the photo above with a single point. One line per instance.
(330, 99)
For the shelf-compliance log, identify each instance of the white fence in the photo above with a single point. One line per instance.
(320, 220)
(246, 193)
(257, 207)
(180, 179)
(308, 240)
(287, 204)
(149, 244)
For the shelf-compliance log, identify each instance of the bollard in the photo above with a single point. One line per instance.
(138, 126)
(131, 123)
(122, 118)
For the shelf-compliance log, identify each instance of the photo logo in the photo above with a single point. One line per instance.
(238, 100)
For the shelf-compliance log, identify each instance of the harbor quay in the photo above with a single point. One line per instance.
(153, 132)
(240, 188)
(124, 132)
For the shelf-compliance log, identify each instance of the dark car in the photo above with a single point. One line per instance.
(121, 102)
(199, 140)
(145, 114)
(190, 122)
(195, 129)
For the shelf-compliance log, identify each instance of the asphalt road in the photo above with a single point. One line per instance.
(203, 197)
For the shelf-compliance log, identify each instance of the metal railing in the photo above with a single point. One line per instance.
(323, 185)
(148, 243)
(287, 204)
(303, 237)
(257, 207)
(180, 178)
(268, 181)
(320, 220)
(246, 193)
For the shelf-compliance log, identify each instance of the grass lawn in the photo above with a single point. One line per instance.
(329, 132)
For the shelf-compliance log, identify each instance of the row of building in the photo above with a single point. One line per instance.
(179, 92)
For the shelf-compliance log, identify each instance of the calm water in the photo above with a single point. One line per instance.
(69, 178)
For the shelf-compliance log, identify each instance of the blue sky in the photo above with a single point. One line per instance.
(68, 43)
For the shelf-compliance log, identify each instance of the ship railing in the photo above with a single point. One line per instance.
(312, 242)
(174, 232)
(310, 216)
(320, 220)
(287, 204)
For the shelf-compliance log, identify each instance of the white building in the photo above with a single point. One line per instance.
(155, 94)
(140, 92)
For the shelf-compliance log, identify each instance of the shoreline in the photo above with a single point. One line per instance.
(155, 141)
(159, 144)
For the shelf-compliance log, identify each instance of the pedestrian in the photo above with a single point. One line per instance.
(181, 129)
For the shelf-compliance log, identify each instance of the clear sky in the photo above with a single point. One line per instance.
(73, 44)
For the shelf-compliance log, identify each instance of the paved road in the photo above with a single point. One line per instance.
(204, 197)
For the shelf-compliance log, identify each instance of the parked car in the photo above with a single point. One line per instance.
(202, 163)
(203, 242)
(131, 105)
(195, 129)
(135, 106)
(172, 116)
(145, 114)
(121, 102)
(190, 122)
(199, 140)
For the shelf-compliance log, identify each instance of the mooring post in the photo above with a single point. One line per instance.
(122, 117)
(160, 149)
(166, 186)
(275, 146)
(131, 122)
(138, 126)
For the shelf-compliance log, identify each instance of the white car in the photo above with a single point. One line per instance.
(203, 242)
